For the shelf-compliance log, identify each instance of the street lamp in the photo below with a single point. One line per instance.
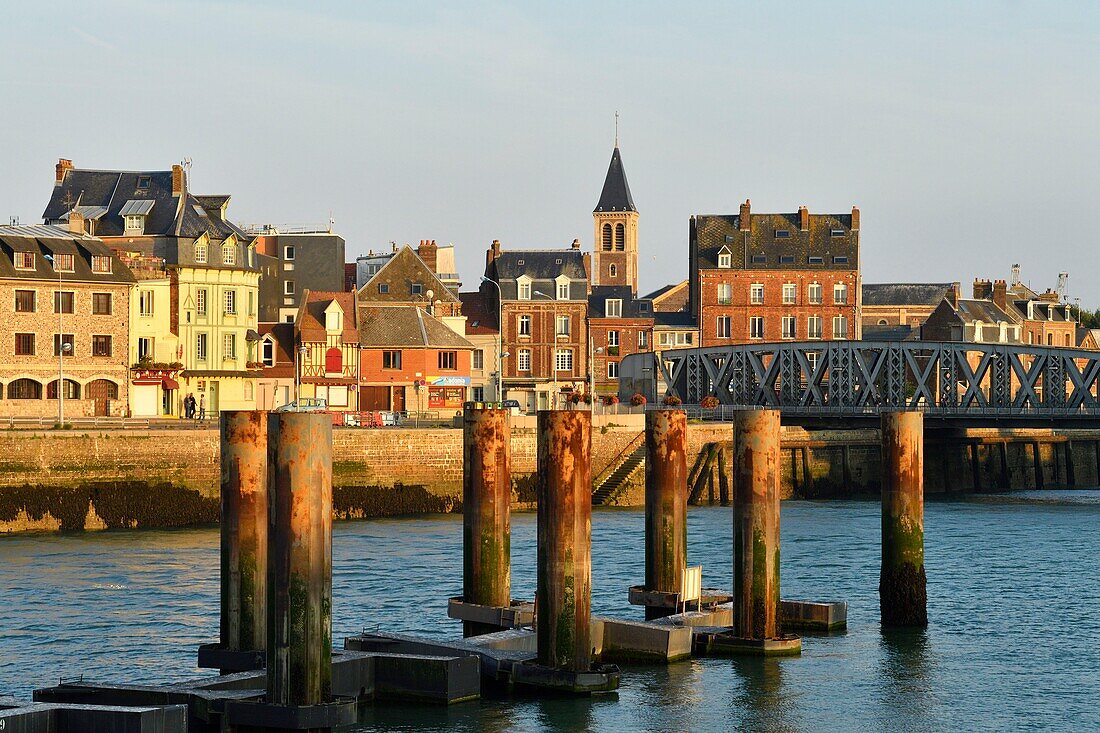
(301, 353)
(62, 347)
(553, 350)
(500, 330)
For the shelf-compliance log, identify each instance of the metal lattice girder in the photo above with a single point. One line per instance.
(854, 377)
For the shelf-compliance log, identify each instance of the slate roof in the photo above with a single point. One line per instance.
(401, 270)
(891, 294)
(311, 315)
(615, 195)
(543, 267)
(405, 326)
(875, 332)
(985, 311)
(42, 240)
(674, 319)
(632, 307)
(119, 191)
(709, 233)
(480, 310)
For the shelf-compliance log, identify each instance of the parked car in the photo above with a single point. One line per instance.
(304, 404)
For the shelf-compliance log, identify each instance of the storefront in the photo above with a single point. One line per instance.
(153, 393)
(447, 393)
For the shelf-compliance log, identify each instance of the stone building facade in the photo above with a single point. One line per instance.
(62, 289)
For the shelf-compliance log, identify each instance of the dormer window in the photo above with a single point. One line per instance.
(62, 263)
(725, 259)
(523, 288)
(614, 308)
(101, 264)
(200, 254)
(24, 260)
(267, 352)
(135, 224)
(334, 320)
(143, 183)
(229, 254)
(563, 288)
(782, 233)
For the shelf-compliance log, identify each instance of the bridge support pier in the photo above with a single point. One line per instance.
(665, 505)
(903, 596)
(486, 500)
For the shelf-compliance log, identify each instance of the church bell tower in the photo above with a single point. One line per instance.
(615, 248)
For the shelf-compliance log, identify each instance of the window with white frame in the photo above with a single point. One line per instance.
(612, 370)
(563, 291)
(288, 252)
(101, 264)
(813, 327)
(200, 346)
(563, 326)
(229, 346)
(756, 293)
(479, 359)
(523, 289)
(230, 302)
(200, 254)
(563, 360)
(24, 260)
(723, 327)
(725, 293)
(200, 301)
(790, 293)
(756, 327)
(788, 327)
(267, 352)
(613, 308)
(840, 294)
(613, 339)
(524, 323)
(145, 303)
(813, 293)
(840, 327)
(523, 360)
(288, 287)
(63, 263)
(229, 254)
(643, 339)
(725, 259)
(135, 224)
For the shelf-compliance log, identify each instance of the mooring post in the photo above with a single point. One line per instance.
(665, 504)
(564, 561)
(486, 500)
(243, 530)
(299, 606)
(902, 590)
(756, 476)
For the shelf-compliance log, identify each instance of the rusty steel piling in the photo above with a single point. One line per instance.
(902, 588)
(299, 606)
(244, 509)
(756, 476)
(665, 504)
(486, 500)
(564, 561)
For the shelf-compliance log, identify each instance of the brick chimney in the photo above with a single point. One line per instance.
(953, 294)
(1000, 294)
(179, 180)
(428, 251)
(855, 219)
(803, 218)
(576, 244)
(983, 289)
(745, 218)
(493, 252)
(1050, 296)
(76, 222)
(63, 164)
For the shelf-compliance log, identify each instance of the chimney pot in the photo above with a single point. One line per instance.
(745, 219)
(983, 289)
(1000, 293)
(63, 165)
(493, 252)
(576, 244)
(76, 222)
(855, 219)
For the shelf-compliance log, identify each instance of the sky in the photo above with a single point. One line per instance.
(966, 133)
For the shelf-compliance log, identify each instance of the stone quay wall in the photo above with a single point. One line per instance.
(69, 480)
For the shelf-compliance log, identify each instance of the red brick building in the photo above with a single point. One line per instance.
(619, 325)
(775, 277)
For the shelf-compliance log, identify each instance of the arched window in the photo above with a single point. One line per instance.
(101, 389)
(334, 361)
(620, 237)
(882, 321)
(24, 389)
(613, 271)
(72, 390)
(607, 237)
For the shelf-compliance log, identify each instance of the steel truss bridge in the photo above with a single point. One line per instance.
(861, 378)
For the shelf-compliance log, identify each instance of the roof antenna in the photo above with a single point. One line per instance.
(616, 128)
(187, 164)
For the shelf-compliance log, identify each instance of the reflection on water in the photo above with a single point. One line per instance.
(1012, 588)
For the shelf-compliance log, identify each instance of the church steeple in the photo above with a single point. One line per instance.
(616, 191)
(615, 249)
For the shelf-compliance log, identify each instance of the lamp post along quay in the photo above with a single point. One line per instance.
(62, 346)
(553, 350)
(500, 333)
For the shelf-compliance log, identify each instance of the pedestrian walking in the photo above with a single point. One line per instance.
(202, 407)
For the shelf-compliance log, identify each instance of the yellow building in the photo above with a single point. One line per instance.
(198, 290)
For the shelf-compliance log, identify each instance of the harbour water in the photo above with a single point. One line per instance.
(1013, 587)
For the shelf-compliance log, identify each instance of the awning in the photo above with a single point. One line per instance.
(169, 383)
(251, 335)
(138, 207)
